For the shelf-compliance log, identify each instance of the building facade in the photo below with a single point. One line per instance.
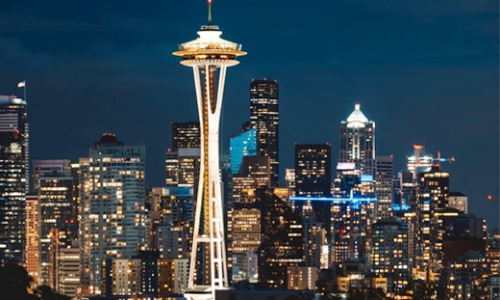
(14, 177)
(55, 211)
(264, 116)
(384, 187)
(244, 144)
(43, 167)
(357, 141)
(185, 135)
(112, 199)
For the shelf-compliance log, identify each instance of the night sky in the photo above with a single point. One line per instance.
(425, 71)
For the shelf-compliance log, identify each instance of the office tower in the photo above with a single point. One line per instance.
(264, 116)
(112, 199)
(32, 236)
(353, 213)
(390, 257)
(357, 141)
(68, 270)
(290, 181)
(244, 144)
(44, 167)
(209, 56)
(458, 201)
(55, 204)
(185, 135)
(384, 187)
(282, 243)
(432, 197)
(183, 167)
(313, 168)
(14, 177)
(313, 179)
(244, 217)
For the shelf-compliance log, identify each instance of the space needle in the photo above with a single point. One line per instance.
(209, 56)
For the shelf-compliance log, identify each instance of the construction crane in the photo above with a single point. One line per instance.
(437, 161)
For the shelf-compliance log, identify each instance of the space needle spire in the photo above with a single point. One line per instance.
(209, 56)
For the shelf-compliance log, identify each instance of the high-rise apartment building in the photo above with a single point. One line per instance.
(264, 116)
(389, 254)
(244, 144)
(55, 211)
(357, 141)
(185, 135)
(384, 187)
(14, 177)
(44, 167)
(112, 207)
(32, 236)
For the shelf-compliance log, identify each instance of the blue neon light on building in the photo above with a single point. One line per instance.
(242, 145)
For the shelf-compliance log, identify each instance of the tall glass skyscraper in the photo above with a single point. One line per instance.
(244, 144)
(264, 116)
(357, 141)
(14, 177)
(112, 207)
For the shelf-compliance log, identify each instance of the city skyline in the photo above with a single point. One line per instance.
(367, 77)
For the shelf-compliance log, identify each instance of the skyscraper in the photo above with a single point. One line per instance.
(282, 240)
(264, 116)
(313, 170)
(384, 187)
(55, 201)
(244, 144)
(357, 141)
(209, 56)
(14, 177)
(185, 135)
(112, 200)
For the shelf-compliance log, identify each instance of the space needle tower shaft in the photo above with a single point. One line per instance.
(209, 56)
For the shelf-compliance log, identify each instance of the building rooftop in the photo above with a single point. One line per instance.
(357, 118)
(12, 99)
(108, 139)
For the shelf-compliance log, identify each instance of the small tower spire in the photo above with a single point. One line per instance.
(209, 12)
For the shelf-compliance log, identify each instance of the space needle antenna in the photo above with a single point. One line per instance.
(209, 12)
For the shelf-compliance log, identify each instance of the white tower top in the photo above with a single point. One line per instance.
(357, 119)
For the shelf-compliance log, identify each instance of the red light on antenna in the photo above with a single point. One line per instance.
(490, 197)
(209, 1)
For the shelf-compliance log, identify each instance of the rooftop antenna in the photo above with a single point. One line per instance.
(209, 12)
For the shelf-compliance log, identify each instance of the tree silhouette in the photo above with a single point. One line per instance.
(16, 284)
